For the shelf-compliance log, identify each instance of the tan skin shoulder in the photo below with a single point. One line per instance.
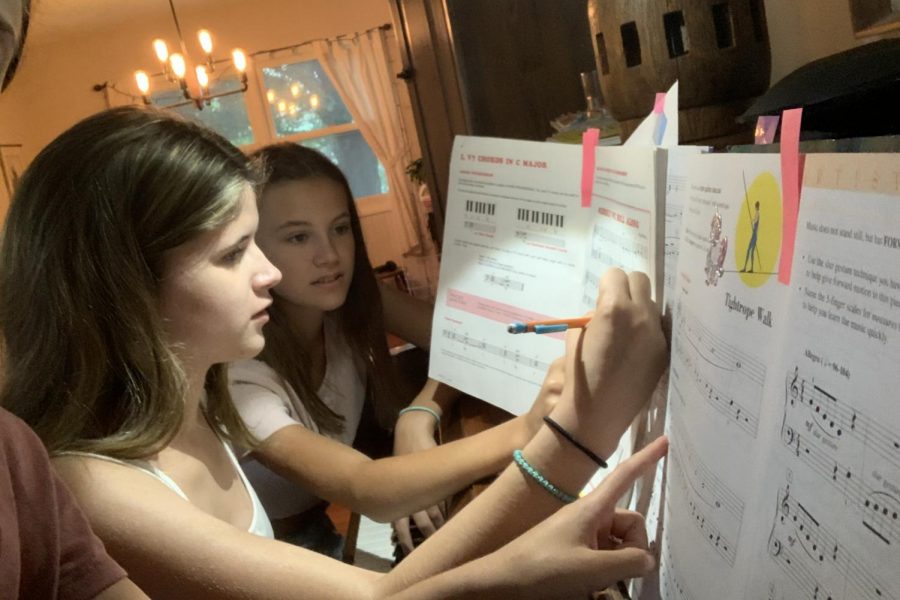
(149, 530)
(196, 461)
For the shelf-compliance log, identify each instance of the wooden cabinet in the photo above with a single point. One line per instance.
(501, 68)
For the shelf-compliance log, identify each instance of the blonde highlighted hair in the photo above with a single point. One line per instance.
(86, 362)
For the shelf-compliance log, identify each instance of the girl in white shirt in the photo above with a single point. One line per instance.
(326, 358)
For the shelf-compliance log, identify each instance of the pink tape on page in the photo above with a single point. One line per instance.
(589, 141)
(659, 108)
(659, 105)
(791, 180)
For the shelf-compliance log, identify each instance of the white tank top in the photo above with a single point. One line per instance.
(259, 524)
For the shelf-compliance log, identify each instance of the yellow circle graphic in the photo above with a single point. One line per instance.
(757, 237)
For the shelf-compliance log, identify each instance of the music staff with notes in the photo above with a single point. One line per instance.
(814, 557)
(713, 367)
(716, 510)
(834, 442)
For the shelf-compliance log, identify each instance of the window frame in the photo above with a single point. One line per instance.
(263, 124)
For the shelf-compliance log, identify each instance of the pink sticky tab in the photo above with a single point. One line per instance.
(588, 157)
(791, 179)
(660, 104)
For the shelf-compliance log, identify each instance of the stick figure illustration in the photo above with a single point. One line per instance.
(752, 252)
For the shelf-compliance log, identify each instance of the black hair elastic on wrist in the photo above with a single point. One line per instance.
(590, 454)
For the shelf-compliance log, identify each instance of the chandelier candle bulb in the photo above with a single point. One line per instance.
(178, 65)
(205, 39)
(143, 84)
(240, 63)
(175, 66)
(202, 79)
(161, 50)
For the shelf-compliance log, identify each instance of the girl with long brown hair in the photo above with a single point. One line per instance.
(326, 361)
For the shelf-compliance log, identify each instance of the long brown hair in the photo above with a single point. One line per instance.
(86, 361)
(360, 319)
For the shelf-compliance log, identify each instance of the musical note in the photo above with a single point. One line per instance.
(532, 362)
(683, 365)
(810, 553)
(671, 585)
(716, 510)
(837, 420)
(878, 509)
(504, 282)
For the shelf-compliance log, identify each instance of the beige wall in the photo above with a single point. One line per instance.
(53, 88)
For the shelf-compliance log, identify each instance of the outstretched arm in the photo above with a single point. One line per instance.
(414, 432)
(174, 550)
(390, 488)
(584, 547)
(611, 370)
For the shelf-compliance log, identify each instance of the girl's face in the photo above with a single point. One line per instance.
(215, 291)
(305, 231)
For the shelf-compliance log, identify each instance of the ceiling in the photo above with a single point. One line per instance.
(55, 19)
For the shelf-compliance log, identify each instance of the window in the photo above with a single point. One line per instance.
(227, 115)
(294, 102)
(304, 107)
(363, 170)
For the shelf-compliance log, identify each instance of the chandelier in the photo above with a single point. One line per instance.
(174, 65)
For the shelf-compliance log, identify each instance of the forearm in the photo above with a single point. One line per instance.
(406, 316)
(436, 396)
(487, 578)
(511, 505)
(393, 487)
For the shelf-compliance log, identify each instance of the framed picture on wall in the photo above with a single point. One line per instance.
(10, 170)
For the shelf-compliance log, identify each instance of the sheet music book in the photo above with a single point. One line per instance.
(519, 246)
(783, 477)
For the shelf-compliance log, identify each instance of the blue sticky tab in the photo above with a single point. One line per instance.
(660, 129)
(550, 328)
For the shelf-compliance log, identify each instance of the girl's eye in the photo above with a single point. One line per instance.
(298, 238)
(342, 228)
(234, 256)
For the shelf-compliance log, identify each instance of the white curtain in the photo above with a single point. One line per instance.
(359, 69)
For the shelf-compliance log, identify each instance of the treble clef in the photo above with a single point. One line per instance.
(795, 390)
(785, 503)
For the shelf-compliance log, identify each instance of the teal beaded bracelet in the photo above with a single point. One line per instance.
(432, 412)
(544, 483)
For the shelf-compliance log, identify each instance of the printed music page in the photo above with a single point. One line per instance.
(627, 218)
(829, 500)
(516, 243)
(728, 307)
(512, 250)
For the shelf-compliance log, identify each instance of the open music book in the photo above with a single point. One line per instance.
(783, 479)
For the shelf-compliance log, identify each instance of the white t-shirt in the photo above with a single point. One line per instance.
(266, 404)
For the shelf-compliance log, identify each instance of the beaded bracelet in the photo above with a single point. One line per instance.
(431, 411)
(571, 438)
(544, 483)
